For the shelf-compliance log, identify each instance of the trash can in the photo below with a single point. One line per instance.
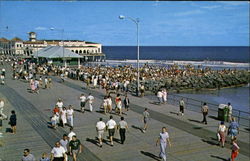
(223, 112)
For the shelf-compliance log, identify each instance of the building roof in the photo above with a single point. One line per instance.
(55, 52)
(16, 39)
(88, 42)
(4, 39)
(33, 42)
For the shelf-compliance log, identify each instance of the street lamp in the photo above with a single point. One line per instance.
(136, 21)
(62, 30)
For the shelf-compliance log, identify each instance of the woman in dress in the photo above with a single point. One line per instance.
(119, 106)
(105, 104)
(222, 132)
(233, 129)
(109, 104)
(63, 116)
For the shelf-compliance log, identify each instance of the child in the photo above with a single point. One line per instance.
(235, 150)
(44, 157)
(54, 119)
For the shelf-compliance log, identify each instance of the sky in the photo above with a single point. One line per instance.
(161, 23)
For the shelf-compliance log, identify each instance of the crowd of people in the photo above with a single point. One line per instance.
(112, 79)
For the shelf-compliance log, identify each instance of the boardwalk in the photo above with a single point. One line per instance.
(191, 140)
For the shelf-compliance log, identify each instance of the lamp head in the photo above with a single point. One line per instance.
(52, 28)
(121, 17)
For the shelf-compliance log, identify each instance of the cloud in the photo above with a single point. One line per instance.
(210, 7)
(40, 28)
(234, 3)
(188, 13)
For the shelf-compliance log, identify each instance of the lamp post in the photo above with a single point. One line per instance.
(62, 30)
(136, 21)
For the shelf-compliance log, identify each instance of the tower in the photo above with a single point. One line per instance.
(32, 36)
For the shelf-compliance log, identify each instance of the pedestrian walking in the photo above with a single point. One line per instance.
(49, 82)
(126, 102)
(145, 119)
(71, 133)
(13, 121)
(54, 121)
(164, 96)
(105, 104)
(75, 147)
(235, 149)
(63, 115)
(230, 111)
(233, 129)
(111, 126)
(222, 133)
(1, 110)
(56, 114)
(2, 77)
(59, 104)
(109, 109)
(82, 102)
(159, 96)
(41, 81)
(164, 140)
(27, 156)
(70, 116)
(46, 82)
(119, 106)
(123, 126)
(204, 110)
(182, 106)
(90, 100)
(62, 77)
(100, 128)
(142, 90)
(65, 143)
(44, 157)
(58, 153)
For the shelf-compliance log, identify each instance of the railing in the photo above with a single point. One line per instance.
(195, 105)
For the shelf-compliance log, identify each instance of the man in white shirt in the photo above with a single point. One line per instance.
(230, 111)
(159, 96)
(111, 126)
(58, 153)
(71, 134)
(100, 127)
(90, 99)
(70, 114)
(82, 102)
(163, 139)
(60, 104)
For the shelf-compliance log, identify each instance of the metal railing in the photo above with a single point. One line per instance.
(242, 117)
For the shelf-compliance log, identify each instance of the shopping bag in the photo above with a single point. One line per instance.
(218, 136)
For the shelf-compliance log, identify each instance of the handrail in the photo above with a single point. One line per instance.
(243, 117)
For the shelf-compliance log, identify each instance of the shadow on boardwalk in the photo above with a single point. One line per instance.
(136, 127)
(210, 142)
(151, 155)
(217, 157)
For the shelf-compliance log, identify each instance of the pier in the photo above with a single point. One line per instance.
(191, 140)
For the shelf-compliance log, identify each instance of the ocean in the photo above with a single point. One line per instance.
(217, 57)
(186, 53)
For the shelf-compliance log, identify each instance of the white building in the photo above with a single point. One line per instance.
(89, 50)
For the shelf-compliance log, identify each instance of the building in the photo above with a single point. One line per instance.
(17, 47)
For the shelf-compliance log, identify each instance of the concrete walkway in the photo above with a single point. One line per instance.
(189, 143)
